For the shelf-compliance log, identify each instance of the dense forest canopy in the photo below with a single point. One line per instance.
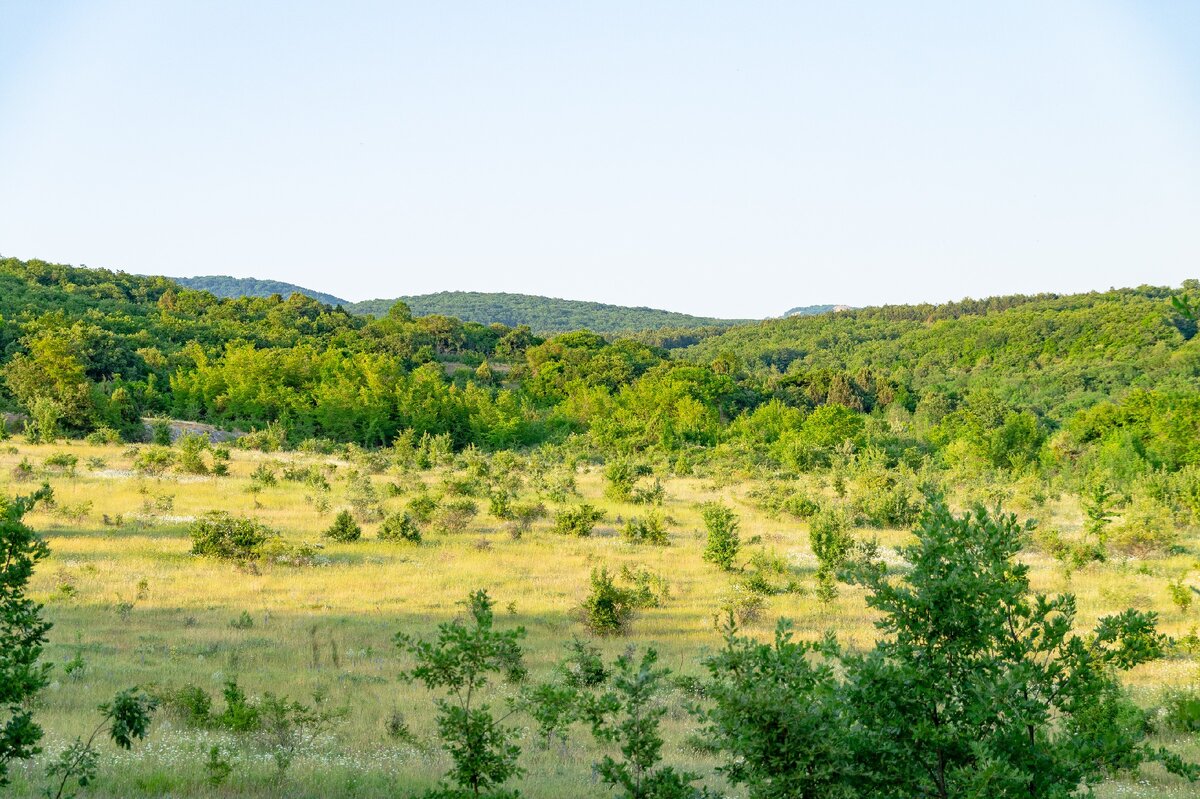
(1105, 380)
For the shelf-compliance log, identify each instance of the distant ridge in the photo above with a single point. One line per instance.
(542, 314)
(811, 310)
(234, 287)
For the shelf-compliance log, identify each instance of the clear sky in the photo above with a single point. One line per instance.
(730, 159)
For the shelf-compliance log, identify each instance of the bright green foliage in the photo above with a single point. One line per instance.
(622, 475)
(608, 607)
(778, 716)
(344, 529)
(831, 542)
(22, 631)
(461, 660)
(217, 534)
(1098, 507)
(577, 521)
(723, 542)
(628, 714)
(124, 720)
(649, 528)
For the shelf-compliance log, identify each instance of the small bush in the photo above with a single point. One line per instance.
(103, 435)
(153, 460)
(608, 607)
(577, 521)
(192, 447)
(648, 529)
(263, 476)
(61, 461)
(1181, 710)
(1147, 528)
(344, 528)
(723, 541)
(454, 515)
(422, 507)
(400, 527)
(217, 534)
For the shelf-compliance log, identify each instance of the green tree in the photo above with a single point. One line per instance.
(22, 631)
(461, 660)
(992, 694)
(629, 714)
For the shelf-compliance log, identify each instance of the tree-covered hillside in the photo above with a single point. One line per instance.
(235, 287)
(541, 314)
(1101, 382)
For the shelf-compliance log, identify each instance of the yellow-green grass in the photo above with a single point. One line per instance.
(139, 609)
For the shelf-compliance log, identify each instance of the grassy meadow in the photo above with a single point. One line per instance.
(130, 606)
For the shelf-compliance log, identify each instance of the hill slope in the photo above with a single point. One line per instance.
(542, 314)
(234, 287)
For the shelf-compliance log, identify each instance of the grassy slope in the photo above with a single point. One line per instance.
(179, 631)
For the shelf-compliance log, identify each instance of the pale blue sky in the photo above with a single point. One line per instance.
(731, 159)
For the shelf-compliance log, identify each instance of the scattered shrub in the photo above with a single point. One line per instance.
(217, 534)
(344, 528)
(400, 527)
(577, 521)
(723, 542)
(647, 529)
(608, 607)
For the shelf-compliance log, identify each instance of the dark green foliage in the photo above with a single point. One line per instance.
(22, 631)
(723, 542)
(217, 534)
(461, 660)
(583, 667)
(991, 694)
(577, 521)
(344, 529)
(1014, 699)
(778, 716)
(628, 714)
(400, 527)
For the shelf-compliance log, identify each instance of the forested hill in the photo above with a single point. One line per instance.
(1101, 382)
(235, 287)
(542, 314)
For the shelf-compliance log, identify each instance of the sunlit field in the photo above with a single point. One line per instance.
(131, 606)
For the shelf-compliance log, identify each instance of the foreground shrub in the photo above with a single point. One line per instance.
(628, 715)
(991, 695)
(217, 534)
(22, 631)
